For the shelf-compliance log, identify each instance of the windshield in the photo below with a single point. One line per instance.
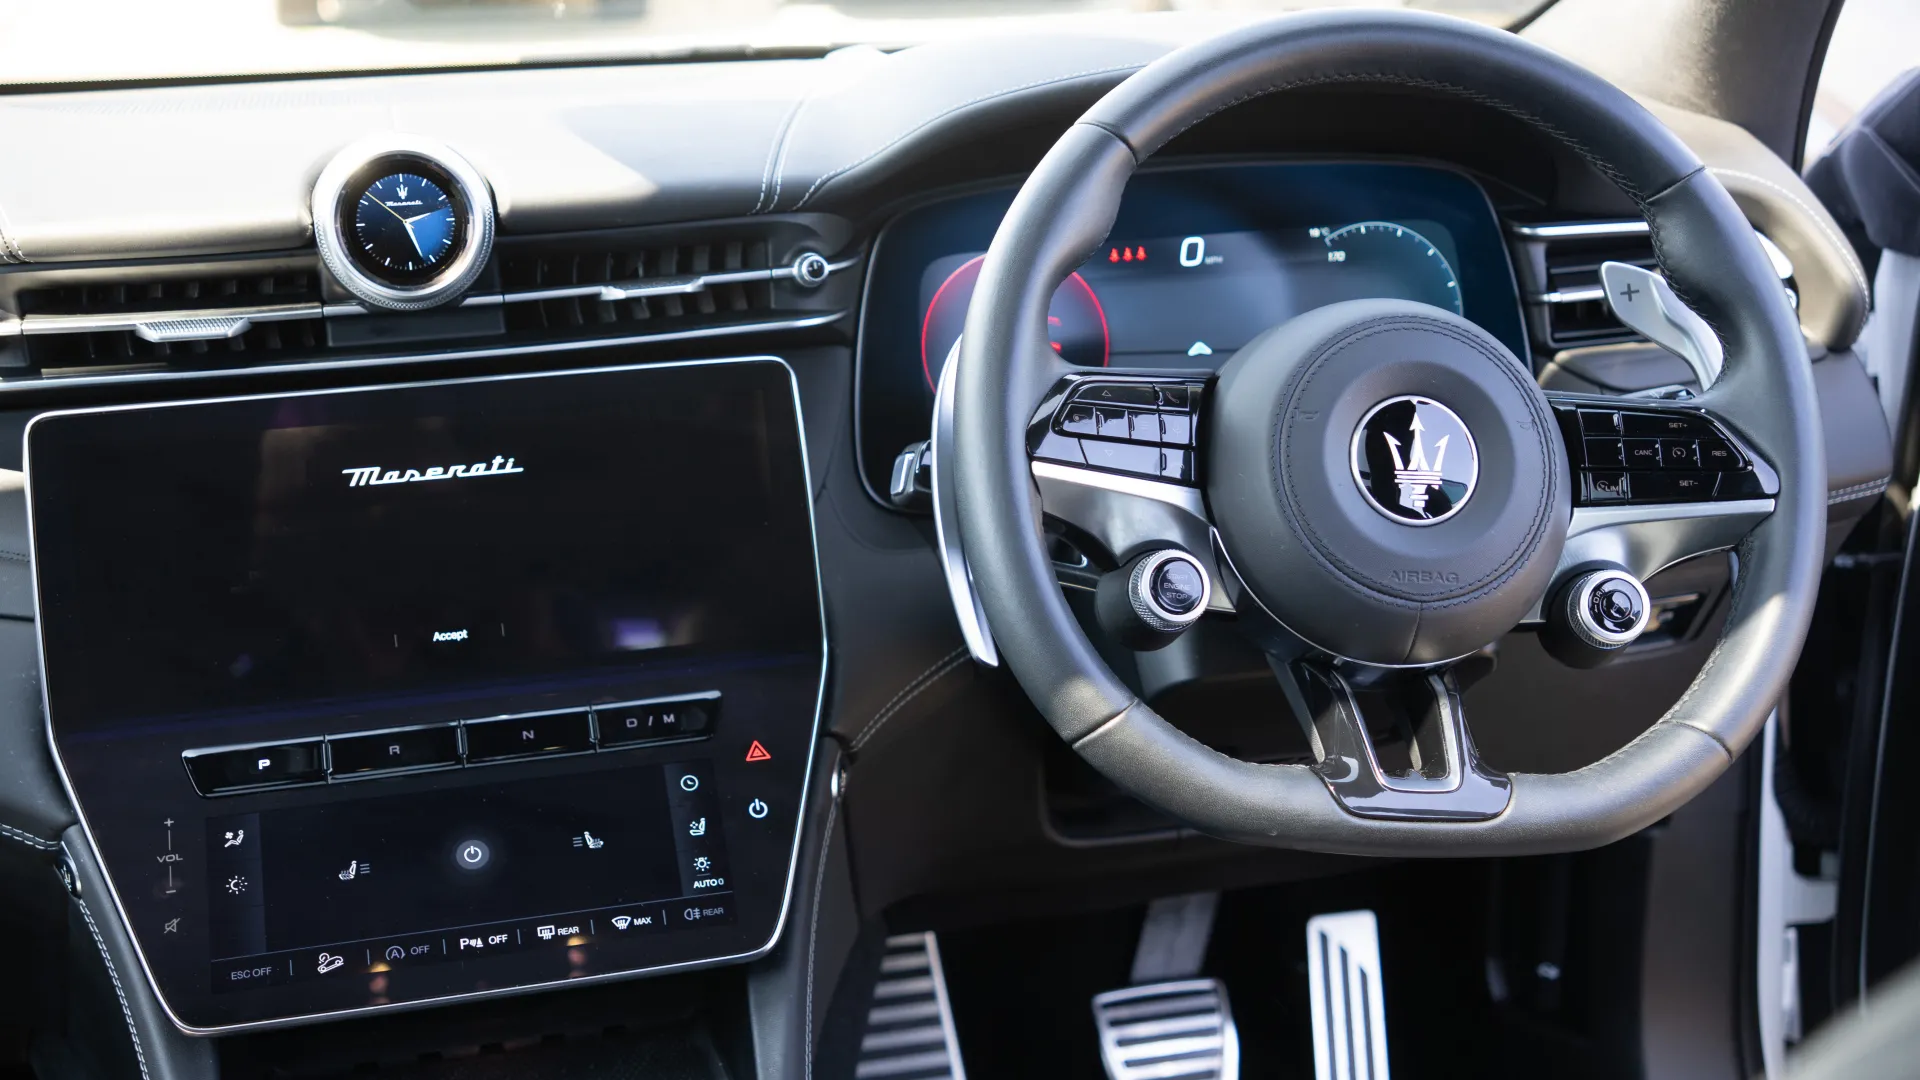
(93, 41)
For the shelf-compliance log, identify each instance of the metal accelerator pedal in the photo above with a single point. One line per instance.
(1345, 987)
(1170, 1025)
(909, 1032)
(1168, 1031)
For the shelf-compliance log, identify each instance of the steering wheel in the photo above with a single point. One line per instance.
(1302, 517)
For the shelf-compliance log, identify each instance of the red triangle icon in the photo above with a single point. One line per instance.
(756, 752)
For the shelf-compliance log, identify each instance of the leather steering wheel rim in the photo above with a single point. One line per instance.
(1705, 248)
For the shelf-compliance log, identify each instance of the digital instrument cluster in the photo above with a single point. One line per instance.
(1200, 261)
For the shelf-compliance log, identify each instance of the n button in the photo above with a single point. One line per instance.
(551, 733)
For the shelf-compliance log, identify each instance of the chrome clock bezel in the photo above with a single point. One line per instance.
(460, 272)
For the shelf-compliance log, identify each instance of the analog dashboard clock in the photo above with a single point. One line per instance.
(402, 223)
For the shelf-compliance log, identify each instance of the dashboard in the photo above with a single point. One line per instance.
(464, 565)
(1200, 260)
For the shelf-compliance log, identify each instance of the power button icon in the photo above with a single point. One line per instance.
(756, 809)
(472, 854)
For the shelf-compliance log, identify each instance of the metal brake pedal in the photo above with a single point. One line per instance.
(1179, 1030)
(910, 1033)
(1346, 992)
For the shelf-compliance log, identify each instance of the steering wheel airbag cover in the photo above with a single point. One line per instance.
(1335, 570)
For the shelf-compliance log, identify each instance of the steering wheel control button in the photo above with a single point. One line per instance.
(1643, 453)
(1599, 423)
(472, 854)
(568, 732)
(1605, 454)
(373, 753)
(1155, 596)
(1123, 457)
(1415, 460)
(1677, 456)
(1119, 394)
(1598, 613)
(243, 768)
(1718, 455)
(1606, 487)
(639, 723)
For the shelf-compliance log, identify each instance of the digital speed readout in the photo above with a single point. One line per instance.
(1182, 301)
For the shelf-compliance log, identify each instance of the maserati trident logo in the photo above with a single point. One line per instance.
(1414, 460)
(375, 476)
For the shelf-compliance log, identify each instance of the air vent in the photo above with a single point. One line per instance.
(1560, 270)
(205, 317)
(1569, 306)
(570, 289)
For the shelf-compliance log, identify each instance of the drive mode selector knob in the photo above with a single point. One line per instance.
(1597, 614)
(1150, 600)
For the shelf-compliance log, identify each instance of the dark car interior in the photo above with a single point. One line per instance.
(1144, 544)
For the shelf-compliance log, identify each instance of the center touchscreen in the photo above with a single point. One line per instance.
(379, 696)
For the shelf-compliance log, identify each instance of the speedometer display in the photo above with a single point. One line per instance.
(1199, 261)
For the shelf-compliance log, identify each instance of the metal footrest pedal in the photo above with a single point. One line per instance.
(910, 1033)
(1180, 1030)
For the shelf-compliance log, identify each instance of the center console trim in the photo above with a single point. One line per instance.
(806, 787)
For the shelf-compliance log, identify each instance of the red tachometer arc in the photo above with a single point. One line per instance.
(1075, 309)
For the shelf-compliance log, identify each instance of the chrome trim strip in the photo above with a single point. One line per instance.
(138, 321)
(1572, 230)
(1648, 538)
(1569, 296)
(967, 609)
(806, 781)
(1175, 495)
(27, 384)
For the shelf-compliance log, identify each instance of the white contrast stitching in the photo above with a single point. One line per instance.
(912, 690)
(1840, 242)
(813, 930)
(943, 114)
(777, 153)
(28, 838)
(1854, 491)
(9, 250)
(118, 991)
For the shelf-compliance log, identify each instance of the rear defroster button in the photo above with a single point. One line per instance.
(472, 854)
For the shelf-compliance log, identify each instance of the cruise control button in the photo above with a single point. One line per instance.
(1643, 453)
(1668, 424)
(1605, 454)
(1718, 455)
(1679, 454)
(554, 733)
(628, 725)
(1125, 457)
(255, 766)
(413, 748)
(1605, 487)
(1118, 394)
(1674, 485)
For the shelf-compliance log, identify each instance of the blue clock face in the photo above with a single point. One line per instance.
(405, 227)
